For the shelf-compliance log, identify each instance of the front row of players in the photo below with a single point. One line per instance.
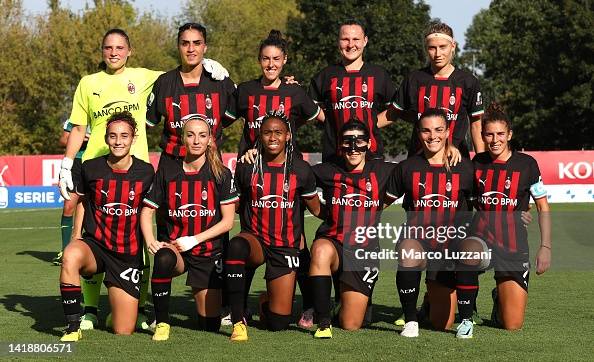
(199, 198)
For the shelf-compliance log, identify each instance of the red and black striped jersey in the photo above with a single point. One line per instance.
(255, 99)
(354, 198)
(503, 190)
(360, 94)
(270, 205)
(112, 202)
(172, 101)
(191, 201)
(458, 95)
(433, 196)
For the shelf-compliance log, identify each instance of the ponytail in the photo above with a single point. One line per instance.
(213, 157)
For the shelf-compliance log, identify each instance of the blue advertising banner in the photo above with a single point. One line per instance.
(29, 197)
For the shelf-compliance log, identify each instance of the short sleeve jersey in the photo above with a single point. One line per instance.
(100, 95)
(113, 199)
(353, 198)
(344, 95)
(458, 95)
(192, 203)
(271, 206)
(172, 102)
(503, 190)
(434, 196)
(254, 100)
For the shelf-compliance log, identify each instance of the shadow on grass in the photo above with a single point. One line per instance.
(46, 256)
(45, 311)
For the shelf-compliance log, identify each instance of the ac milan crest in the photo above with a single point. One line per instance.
(452, 100)
(286, 187)
(448, 186)
(281, 107)
(208, 103)
(131, 88)
(204, 195)
(368, 186)
(364, 87)
(131, 195)
(507, 184)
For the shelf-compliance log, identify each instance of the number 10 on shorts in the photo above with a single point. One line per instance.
(292, 261)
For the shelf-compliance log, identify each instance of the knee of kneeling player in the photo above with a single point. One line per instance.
(165, 260)
(350, 324)
(277, 322)
(123, 331)
(209, 324)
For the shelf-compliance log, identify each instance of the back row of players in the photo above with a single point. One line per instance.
(196, 197)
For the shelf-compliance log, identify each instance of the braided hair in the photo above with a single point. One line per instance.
(258, 171)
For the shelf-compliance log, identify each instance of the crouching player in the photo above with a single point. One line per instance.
(355, 190)
(270, 212)
(504, 181)
(112, 188)
(199, 200)
(436, 199)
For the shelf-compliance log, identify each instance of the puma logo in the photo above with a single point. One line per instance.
(482, 182)
(340, 89)
(177, 105)
(344, 185)
(256, 107)
(423, 185)
(427, 98)
(105, 192)
(178, 194)
(97, 94)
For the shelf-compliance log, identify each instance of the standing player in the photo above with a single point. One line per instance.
(267, 94)
(199, 200)
(504, 181)
(352, 90)
(443, 86)
(271, 225)
(71, 205)
(436, 196)
(112, 188)
(356, 192)
(188, 91)
(115, 88)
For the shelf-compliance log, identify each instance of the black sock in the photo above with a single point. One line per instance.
(237, 254)
(165, 260)
(90, 309)
(321, 287)
(303, 278)
(408, 281)
(249, 276)
(336, 283)
(466, 290)
(71, 297)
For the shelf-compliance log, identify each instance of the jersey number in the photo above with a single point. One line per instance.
(370, 274)
(292, 261)
(219, 266)
(131, 274)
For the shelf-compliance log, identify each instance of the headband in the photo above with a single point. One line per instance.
(440, 35)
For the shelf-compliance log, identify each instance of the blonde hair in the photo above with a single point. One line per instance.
(213, 158)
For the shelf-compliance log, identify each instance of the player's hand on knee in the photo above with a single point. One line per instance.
(249, 157)
(185, 243)
(216, 69)
(154, 246)
(66, 177)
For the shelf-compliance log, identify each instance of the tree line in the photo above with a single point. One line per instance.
(534, 57)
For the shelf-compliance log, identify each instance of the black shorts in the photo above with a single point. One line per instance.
(361, 274)
(514, 266)
(121, 271)
(279, 261)
(76, 174)
(204, 272)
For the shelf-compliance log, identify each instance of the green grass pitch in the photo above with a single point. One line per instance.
(559, 320)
